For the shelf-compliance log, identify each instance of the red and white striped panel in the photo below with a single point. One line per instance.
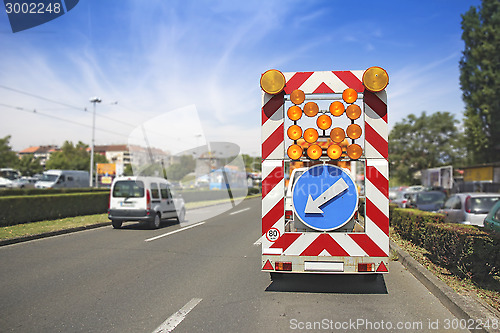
(324, 82)
(273, 132)
(377, 202)
(375, 241)
(273, 172)
(328, 244)
(376, 129)
(273, 201)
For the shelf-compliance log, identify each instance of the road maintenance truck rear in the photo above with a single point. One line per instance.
(325, 206)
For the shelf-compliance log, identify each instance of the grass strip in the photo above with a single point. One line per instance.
(488, 293)
(37, 228)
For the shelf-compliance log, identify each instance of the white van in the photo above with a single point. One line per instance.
(147, 199)
(63, 178)
(8, 177)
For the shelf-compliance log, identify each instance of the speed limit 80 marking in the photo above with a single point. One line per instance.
(273, 234)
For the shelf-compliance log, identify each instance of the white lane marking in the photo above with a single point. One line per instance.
(258, 241)
(173, 232)
(239, 211)
(175, 319)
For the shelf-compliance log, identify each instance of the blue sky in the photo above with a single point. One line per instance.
(146, 58)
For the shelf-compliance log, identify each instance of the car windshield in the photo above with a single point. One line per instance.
(430, 197)
(9, 174)
(128, 189)
(482, 205)
(48, 178)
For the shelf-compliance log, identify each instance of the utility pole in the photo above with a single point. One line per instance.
(93, 100)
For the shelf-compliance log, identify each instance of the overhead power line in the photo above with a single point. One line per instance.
(78, 109)
(34, 111)
(84, 109)
(43, 98)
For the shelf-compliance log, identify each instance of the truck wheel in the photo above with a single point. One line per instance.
(181, 216)
(156, 222)
(116, 224)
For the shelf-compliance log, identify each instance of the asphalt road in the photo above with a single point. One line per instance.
(197, 277)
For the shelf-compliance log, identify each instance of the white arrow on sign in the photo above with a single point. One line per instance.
(312, 206)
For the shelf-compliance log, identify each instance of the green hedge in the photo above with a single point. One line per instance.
(23, 209)
(40, 191)
(464, 250)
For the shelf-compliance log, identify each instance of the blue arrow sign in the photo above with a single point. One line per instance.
(325, 197)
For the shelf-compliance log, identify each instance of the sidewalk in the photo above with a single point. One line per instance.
(472, 312)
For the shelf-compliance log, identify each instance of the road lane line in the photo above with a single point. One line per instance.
(175, 319)
(239, 211)
(173, 232)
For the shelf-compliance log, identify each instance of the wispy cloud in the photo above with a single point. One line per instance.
(167, 55)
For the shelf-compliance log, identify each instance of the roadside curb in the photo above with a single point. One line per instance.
(52, 233)
(463, 307)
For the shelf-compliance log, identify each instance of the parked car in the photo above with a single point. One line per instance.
(402, 198)
(24, 182)
(469, 208)
(403, 194)
(430, 201)
(416, 188)
(8, 176)
(144, 199)
(393, 193)
(492, 220)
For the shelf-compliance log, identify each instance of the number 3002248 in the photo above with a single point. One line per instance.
(32, 8)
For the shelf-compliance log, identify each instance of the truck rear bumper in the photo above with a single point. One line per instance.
(325, 265)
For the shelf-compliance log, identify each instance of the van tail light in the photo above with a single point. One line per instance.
(467, 204)
(148, 200)
(288, 214)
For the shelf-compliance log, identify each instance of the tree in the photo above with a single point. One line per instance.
(8, 158)
(418, 143)
(128, 171)
(252, 164)
(480, 81)
(177, 171)
(73, 157)
(30, 165)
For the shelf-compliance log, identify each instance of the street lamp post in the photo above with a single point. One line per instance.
(93, 100)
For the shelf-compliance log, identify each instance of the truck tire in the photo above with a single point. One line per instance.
(116, 224)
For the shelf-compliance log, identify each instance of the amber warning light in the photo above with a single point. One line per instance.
(272, 82)
(375, 79)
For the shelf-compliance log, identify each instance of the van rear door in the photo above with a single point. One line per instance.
(128, 194)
